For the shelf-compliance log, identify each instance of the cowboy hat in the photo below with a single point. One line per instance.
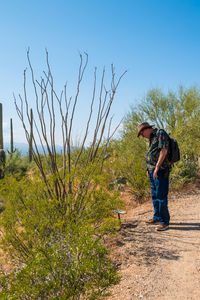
(143, 126)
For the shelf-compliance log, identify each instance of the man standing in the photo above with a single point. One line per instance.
(158, 169)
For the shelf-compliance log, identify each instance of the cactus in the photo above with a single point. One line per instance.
(11, 139)
(1, 126)
(2, 152)
(31, 137)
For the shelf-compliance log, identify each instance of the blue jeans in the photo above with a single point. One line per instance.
(159, 192)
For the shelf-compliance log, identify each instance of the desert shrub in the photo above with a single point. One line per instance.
(57, 249)
(184, 172)
(16, 165)
(127, 162)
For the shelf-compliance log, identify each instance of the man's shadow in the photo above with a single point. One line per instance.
(184, 226)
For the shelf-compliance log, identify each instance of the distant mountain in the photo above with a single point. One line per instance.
(23, 148)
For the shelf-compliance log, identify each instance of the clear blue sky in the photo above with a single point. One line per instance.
(157, 41)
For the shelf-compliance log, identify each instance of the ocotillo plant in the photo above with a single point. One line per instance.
(31, 137)
(1, 126)
(11, 137)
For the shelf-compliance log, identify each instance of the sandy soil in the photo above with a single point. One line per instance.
(160, 265)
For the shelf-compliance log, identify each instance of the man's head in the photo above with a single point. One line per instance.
(145, 129)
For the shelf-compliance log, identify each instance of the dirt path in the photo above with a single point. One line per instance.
(160, 265)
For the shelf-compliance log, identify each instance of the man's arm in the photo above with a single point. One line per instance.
(162, 155)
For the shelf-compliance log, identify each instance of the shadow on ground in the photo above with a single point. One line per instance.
(185, 226)
(141, 244)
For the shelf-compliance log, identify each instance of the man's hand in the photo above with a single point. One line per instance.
(155, 173)
(161, 158)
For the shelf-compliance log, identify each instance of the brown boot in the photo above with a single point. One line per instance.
(162, 227)
(152, 222)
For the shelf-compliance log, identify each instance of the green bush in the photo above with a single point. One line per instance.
(132, 168)
(72, 264)
(184, 172)
(57, 247)
(16, 165)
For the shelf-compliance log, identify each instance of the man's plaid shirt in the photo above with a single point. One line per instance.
(159, 139)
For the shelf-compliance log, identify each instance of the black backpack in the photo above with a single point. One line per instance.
(173, 152)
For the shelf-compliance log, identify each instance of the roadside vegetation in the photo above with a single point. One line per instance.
(58, 209)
